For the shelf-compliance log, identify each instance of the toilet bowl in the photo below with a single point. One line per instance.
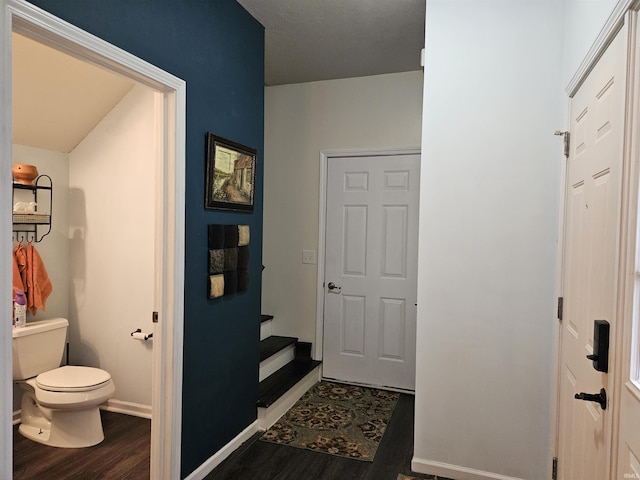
(59, 405)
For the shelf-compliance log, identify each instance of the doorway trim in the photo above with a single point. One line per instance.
(325, 155)
(26, 19)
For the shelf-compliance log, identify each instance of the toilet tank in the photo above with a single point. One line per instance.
(38, 347)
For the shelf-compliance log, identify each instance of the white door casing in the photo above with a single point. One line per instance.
(628, 388)
(592, 235)
(22, 17)
(370, 254)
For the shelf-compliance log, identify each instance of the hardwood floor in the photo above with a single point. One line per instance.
(257, 460)
(124, 454)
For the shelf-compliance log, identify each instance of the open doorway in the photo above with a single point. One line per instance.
(164, 149)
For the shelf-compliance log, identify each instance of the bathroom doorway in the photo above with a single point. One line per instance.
(113, 210)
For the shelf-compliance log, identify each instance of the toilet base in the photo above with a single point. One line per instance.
(60, 428)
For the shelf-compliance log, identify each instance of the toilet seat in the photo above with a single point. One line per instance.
(72, 379)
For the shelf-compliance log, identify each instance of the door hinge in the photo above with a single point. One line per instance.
(560, 307)
(554, 469)
(566, 137)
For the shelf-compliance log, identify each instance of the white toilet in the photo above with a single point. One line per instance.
(60, 404)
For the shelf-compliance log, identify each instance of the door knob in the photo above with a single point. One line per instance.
(333, 286)
(600, 398)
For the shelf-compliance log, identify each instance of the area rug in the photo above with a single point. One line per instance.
(428, 477)
(343, 420)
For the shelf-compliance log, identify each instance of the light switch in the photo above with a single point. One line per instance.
(309, 256)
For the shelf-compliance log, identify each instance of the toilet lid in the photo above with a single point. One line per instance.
(72, 379)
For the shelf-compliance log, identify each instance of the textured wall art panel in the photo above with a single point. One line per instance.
(228, 259)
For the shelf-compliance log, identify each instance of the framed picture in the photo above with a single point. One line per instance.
(230, 175)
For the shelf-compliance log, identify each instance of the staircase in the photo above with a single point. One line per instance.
(286, 373)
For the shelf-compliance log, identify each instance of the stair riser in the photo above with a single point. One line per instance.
(266, 329)
(277, 361)
(268, 416)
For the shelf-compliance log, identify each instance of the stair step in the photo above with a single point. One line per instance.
(303, 352)
(270, 365)
(277, 384)
(273, 344)
(266, 326)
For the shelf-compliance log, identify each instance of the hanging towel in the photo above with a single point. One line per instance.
(19, 269)
(38, 284)
(18, 284)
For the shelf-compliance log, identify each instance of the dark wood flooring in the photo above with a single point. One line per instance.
(257, 460)
(123, 455)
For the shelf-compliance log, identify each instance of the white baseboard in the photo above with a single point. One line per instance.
(128, 408)
(268, 416)
(430, 467)
(212, 462)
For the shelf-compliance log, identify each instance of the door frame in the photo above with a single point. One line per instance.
(325, 155)
(624, 13)
(22, 17)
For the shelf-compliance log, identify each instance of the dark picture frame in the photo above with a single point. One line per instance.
(230, 175)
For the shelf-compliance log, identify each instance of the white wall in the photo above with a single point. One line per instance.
(112, 245)
(301, 120)
(488, 212)
(54, 248)
(583, 20)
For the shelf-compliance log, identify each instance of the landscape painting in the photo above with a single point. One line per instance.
(230, 175)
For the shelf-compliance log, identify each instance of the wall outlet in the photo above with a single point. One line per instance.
(309, 256)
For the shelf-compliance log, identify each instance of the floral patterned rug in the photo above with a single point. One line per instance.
(343, 420)
(428, 477)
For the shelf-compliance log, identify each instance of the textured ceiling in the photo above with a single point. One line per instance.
(310, 40)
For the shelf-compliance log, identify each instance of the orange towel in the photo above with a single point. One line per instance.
(19, 269)
(38, 284)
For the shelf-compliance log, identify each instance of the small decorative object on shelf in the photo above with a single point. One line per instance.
(32, 213)
(25, 174)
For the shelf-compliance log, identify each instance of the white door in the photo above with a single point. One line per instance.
(371, 254)
(592, 226)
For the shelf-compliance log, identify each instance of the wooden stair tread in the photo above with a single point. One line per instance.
(277, 384)
(273, 344)
(265, 318)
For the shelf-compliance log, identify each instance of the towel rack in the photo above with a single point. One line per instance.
(33, 227)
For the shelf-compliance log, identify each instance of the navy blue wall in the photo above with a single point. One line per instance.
(218, 48)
